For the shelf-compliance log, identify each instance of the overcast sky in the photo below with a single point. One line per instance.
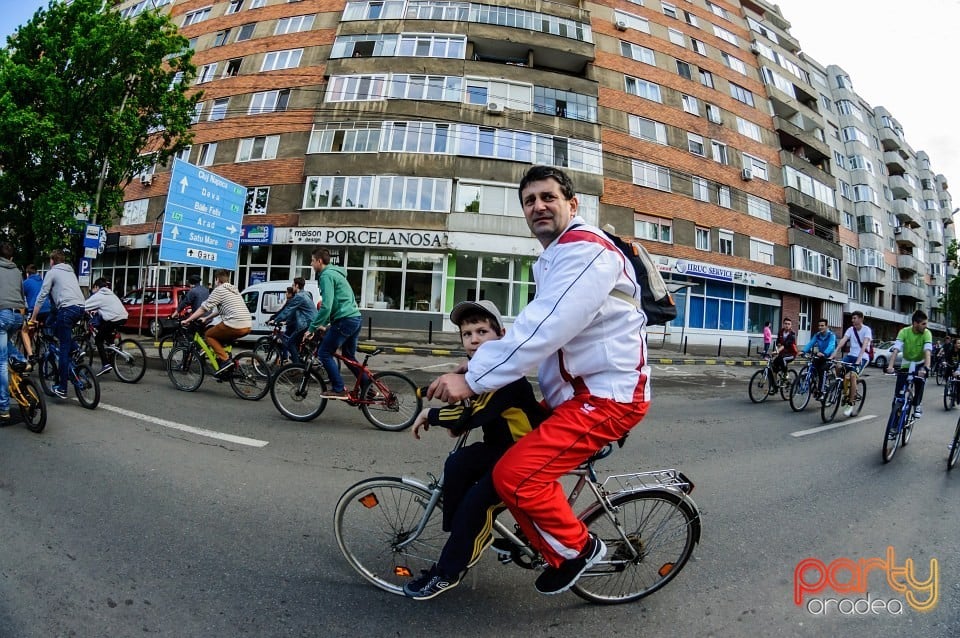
(897, 53)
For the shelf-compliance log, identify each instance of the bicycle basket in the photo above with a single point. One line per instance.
(168, 326)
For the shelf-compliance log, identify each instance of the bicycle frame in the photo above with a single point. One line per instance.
(205, 348)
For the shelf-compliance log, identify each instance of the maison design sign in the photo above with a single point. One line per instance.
(386, 237)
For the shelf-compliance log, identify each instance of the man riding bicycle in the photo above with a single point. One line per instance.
(859, 336)
(107, 315)
(822, 345)
(916, 342)
(66, 298)
(225, 301)
(784, 352)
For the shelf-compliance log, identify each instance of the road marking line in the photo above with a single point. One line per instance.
(232, 438)
(832, 426)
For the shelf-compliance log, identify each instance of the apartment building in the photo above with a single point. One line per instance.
(396, 131)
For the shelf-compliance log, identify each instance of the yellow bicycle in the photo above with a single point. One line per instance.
(23, 390)
(249, 375)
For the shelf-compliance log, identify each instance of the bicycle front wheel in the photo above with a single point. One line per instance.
(185, 368)
(49, 374)
(800, 393)
(831, 401)
(891, 436)
(33, 406)
(654, 539)
(391, 401)
(954, 448)
(371, 521)
(87, 386)
(861, 396)
(296, 395)
(939, 373)
(268, 351)
(949, 395)
(250, 378)
(130, 361)
(759, 386)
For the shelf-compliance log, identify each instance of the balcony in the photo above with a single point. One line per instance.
(908, 264)
(905, 212)
(807, 204)
(793, 137)
(895, 161)
(872, 276)
(900, 187)
(889, 139)
(906, 236)
(908, 289)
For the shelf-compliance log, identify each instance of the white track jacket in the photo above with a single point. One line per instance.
(582, 339)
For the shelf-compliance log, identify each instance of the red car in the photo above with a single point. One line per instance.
(145, 307)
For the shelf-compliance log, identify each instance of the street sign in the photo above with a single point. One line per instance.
(91, 240)
(202, 219)
(83, 276)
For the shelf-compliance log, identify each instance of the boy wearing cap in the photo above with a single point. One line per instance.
(470, 502)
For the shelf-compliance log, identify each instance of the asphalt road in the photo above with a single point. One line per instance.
(117, 522)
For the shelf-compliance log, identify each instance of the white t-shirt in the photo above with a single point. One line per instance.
(864, 333)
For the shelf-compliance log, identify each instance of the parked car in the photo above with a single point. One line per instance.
(881, 354)
(146, 306)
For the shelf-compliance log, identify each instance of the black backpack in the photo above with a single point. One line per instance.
(655, 300)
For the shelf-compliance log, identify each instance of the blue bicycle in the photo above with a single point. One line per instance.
(80, 375)
(900, 423)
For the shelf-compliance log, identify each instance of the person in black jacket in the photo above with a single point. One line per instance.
(470, 502)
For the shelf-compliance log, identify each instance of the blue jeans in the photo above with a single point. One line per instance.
(63, 331)
(344, 334)
(10, 324)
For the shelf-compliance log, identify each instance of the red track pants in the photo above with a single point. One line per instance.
(527, 476)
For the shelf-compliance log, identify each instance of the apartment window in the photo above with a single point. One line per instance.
(294, 24)
(632, 21)
(846, 107)
(184, 154)
(257, 198)
(741, 94)
(758, 207)
(234, 6)
(701, 189)
(346, 138)
(429, 87)
(196, 16)
(691, 19)
(427, 137)
(725, 242)
(713, 113)
(702, 239)
(668, 9)
(676, 37)
(282, 60)
(355, 88)
(718, 10)
(221, 38)
(197, 110)
(734, 63)
(815, 263)
(863, 193)
(853, 134)
(345, 192)
(850, 254)
(258, 148)
(690, 104)
(723, 34)
(575, 106)
(840, 160)
(756, 165)
(648, 130)
(723, 196)
(233, 68)
(695, 144)
(653, 228)
(826, 103)
(432, 46)
(413, 193)
(256, 4)
(849, 222)
(748, 128)
(706, 78)
(642, 88)
(718, 151)
(698, 46)
(207, 73)
(761, 251)
(684, 69)
(269, 102)
(637, 52)
(219, 110)
(134, 212)
(245, 32)
(651, 175)
(207, 154)
(860, 163)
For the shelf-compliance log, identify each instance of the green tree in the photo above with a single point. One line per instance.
(88, 99)
(951, 300)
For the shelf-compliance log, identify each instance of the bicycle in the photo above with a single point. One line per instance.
(803, 387)
(941, 370)
(172, 334)
(951, 391)
(763, 383)
(128, 358)
(249, 376)
(84, 381)
(900, 424)
(954, 448)
(389, 529)
(837, 391)
(23, 390)
(273, 347)
(389, 400)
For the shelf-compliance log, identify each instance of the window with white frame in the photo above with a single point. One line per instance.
(441, 88)
(759, 207)
(701, 189)
(642, 88)
(653, 228)
(221, 38)
(761, 251)
(416, 137)
(207, 72)
(718, 151)
(345, 137)
(295, 24)
(632, 21)
(197, 110)
(690, 104)
(245, 32)
(849, 108)
(845, 190)
(810, 261)
(713, 113)
(356, 88)
(257, 198)
(723, 196)
(695, 144)
(691, 19)
(196, 16)
(355, 191)
(513, 95)
(184, 154)
(234, 6)
(850, 255)
(706, 78)
(232, 68)
(860, 163)
(134, 212)
(651, 175)
(734, 63)
(432, 46)
(849, 221)
(269, 102)
(748, 128)
(487, 198)
(413, 193)
(863, 193)
(698, 46)
(702, 238)
(718, 10)
(207, 154)
(756, 165)
(575, 106)
(725, 242)
(683, 70)
(669, 10)
(872, 258)
(723, 34)
(645, 129)
(853, 134)
(741, 94)
(839, 160)
(275, 60)
(792, 178)
(852, 288)
(676, 37)
(219, 109)
(252, 149)
(638, 53)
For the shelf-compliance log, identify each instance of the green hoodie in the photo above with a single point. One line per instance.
(337, 299)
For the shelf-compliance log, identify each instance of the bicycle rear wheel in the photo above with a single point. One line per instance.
(891, 436)
(86, 385)
(394, 402)
(297, 398)
(130, 363)
(661, 529)
(790, 377)
(250, 377)
(954, 448)
(268, 351)
(185, 368)
(373, 517)
(33, 406)
(759, 388)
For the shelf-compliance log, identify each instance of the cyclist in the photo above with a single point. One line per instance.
(916, 343)
(194, 297)
(297, 312)
(107, 315)
(12, 305)
(338, 307)
(66, 298)
(823, 344)
(225, 301)
(784, 352)
(859, 336)
(31, 288)
(470, 502)
(589, 346)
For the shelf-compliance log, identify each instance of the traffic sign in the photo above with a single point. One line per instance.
(203, 218)
(83, 276)
(91, 240)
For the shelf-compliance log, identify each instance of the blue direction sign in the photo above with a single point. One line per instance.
(202, 220)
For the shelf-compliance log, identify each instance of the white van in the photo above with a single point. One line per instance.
(266, 298)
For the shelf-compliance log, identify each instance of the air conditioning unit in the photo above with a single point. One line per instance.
(755, 47)
(126, 241)
(146, 179)
(621, 25)
(494, 107)
(897, 230)
(746, 174)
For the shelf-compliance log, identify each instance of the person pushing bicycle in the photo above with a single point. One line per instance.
(859, 336)
(916, 343)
